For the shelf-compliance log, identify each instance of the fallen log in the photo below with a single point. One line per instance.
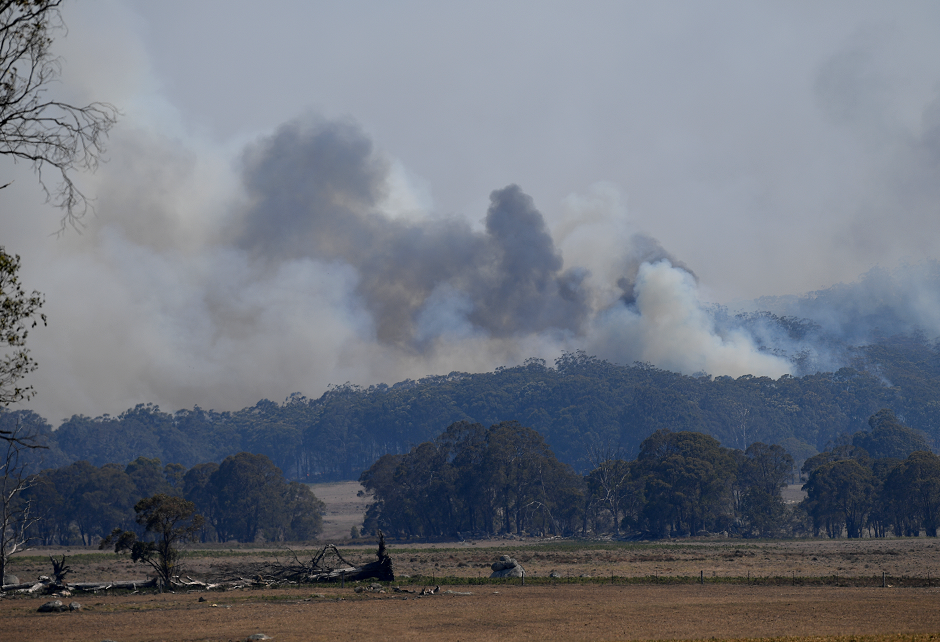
(104, 586)
(380, 570)
(191, 582)
(317, 570)
(36, 587)
(17, 587)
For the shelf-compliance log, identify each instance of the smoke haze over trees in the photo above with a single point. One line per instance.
(577, 404)
(323, 279)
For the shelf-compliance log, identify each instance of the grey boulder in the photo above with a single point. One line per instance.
(507, 567)
(54, 606)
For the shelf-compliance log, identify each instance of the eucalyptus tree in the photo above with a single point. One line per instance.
(841, 494)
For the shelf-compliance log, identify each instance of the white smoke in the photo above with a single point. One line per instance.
(670, 328)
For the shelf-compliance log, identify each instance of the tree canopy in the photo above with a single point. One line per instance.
(19, 312)
(245, 499)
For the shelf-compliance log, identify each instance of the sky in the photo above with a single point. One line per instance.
(306, 193)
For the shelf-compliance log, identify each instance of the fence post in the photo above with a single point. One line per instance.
(701, 577)
(884, 582)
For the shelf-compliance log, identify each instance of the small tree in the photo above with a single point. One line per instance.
(171, 521)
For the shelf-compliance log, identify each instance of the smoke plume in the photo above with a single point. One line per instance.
(315, 191)
(297, 271)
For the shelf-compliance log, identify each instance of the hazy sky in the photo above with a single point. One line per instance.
(299, 193)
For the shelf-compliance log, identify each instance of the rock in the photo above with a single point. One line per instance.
(505, 562)
(55, 606)
(258, 636)
(10, 579)
(507, 567)
(554, 575)
(75, 606)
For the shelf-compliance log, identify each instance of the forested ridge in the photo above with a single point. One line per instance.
(580, 402)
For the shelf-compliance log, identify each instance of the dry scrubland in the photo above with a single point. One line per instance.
(798, 589)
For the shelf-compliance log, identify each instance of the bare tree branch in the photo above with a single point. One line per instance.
(50, 134)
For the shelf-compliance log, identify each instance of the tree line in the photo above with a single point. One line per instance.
(578, 402)
(246, 498)
(473, 479)
(878, 482)
(506, 480)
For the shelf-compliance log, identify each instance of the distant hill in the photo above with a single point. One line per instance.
(579, 403)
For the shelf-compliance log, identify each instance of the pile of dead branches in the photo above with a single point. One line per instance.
(328, 565)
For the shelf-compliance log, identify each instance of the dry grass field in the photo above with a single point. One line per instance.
(799, 590)
(564, 612)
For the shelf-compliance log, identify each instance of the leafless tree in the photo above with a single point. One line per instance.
(609, 481)
(50, 134)
(17, 514)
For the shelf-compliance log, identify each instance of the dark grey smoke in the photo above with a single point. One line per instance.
(522, 288)
(314, 190)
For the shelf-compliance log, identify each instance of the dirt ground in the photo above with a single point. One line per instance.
(564, 612)
(595, 610)
(591, 611)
